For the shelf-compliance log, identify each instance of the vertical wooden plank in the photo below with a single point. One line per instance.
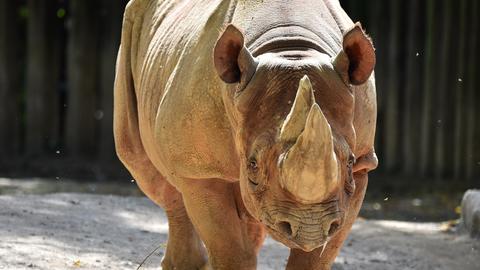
(407, 140)
(441, 95)
(392, 91)
(472, 156)
(11, 63)
(81, 125)
(411, 95)
(460, 95)
(373, 19)
(425, 129)
(41, 132)
(111, 22)
(381, 45)
(477, 98)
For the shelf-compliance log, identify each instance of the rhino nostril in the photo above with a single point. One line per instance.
(285, 228)
(334, 226)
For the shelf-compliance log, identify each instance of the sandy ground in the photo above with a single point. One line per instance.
(84, 231)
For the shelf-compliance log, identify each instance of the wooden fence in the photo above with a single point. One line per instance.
(57, 69)
(57, 62)
(427, 83)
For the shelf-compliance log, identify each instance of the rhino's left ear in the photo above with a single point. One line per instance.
(356, 61)
(232, 59)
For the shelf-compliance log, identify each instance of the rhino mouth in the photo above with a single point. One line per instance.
(290, 242)
(305, 227)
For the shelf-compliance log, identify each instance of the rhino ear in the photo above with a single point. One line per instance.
(356, 61)
(232, 59)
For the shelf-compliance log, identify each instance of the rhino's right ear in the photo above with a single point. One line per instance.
(232, 59)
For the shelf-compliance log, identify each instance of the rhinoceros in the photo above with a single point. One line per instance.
(246, 117)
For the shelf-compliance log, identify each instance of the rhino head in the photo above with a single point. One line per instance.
(292, 110)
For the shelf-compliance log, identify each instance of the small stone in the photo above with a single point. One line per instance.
(471, 212)
(74, 202)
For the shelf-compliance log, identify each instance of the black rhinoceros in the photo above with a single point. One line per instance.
(246, 117)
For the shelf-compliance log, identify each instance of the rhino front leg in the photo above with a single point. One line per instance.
(322, 259)
(231, 240)
(185, 250)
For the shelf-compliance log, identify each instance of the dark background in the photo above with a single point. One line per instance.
(57, 60)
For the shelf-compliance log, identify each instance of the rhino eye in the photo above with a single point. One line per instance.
(252, 173)
(252, 165)
(351, 161)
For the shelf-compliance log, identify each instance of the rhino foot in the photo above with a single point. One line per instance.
(185, 250)
(185, 265)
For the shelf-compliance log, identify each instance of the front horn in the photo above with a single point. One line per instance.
(309, 168)
(295, 121)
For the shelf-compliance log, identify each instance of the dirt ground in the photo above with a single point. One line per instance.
(86, 231)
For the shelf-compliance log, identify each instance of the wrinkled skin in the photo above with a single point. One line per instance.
(201, 120)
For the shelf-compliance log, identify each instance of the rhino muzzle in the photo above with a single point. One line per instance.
(303, 226)
(309, 169)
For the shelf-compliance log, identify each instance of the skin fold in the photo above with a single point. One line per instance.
(242, 118)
